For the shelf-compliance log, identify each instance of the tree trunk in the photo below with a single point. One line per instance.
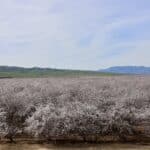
(11, 140)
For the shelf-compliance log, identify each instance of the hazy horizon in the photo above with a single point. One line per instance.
(68, 34)
(98, 69)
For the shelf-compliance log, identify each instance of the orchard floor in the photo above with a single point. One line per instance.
(75, 147)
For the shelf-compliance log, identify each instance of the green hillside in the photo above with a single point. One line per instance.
(13, 72)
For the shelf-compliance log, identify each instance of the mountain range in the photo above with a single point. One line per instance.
(14, 72)
(10, 71)
(139, 70)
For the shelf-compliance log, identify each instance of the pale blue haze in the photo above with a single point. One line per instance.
(75, 34)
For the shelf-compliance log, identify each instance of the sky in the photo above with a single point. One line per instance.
(75, 34)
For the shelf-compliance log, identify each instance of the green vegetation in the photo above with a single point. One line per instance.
(16, 72)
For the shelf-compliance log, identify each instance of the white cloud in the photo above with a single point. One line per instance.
(49, 32)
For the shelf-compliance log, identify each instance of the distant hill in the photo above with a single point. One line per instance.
(13, 72)
(139, 70)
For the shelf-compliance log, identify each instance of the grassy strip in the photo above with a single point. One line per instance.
(53, 73)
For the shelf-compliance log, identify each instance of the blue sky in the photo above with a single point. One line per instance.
(75, 34)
